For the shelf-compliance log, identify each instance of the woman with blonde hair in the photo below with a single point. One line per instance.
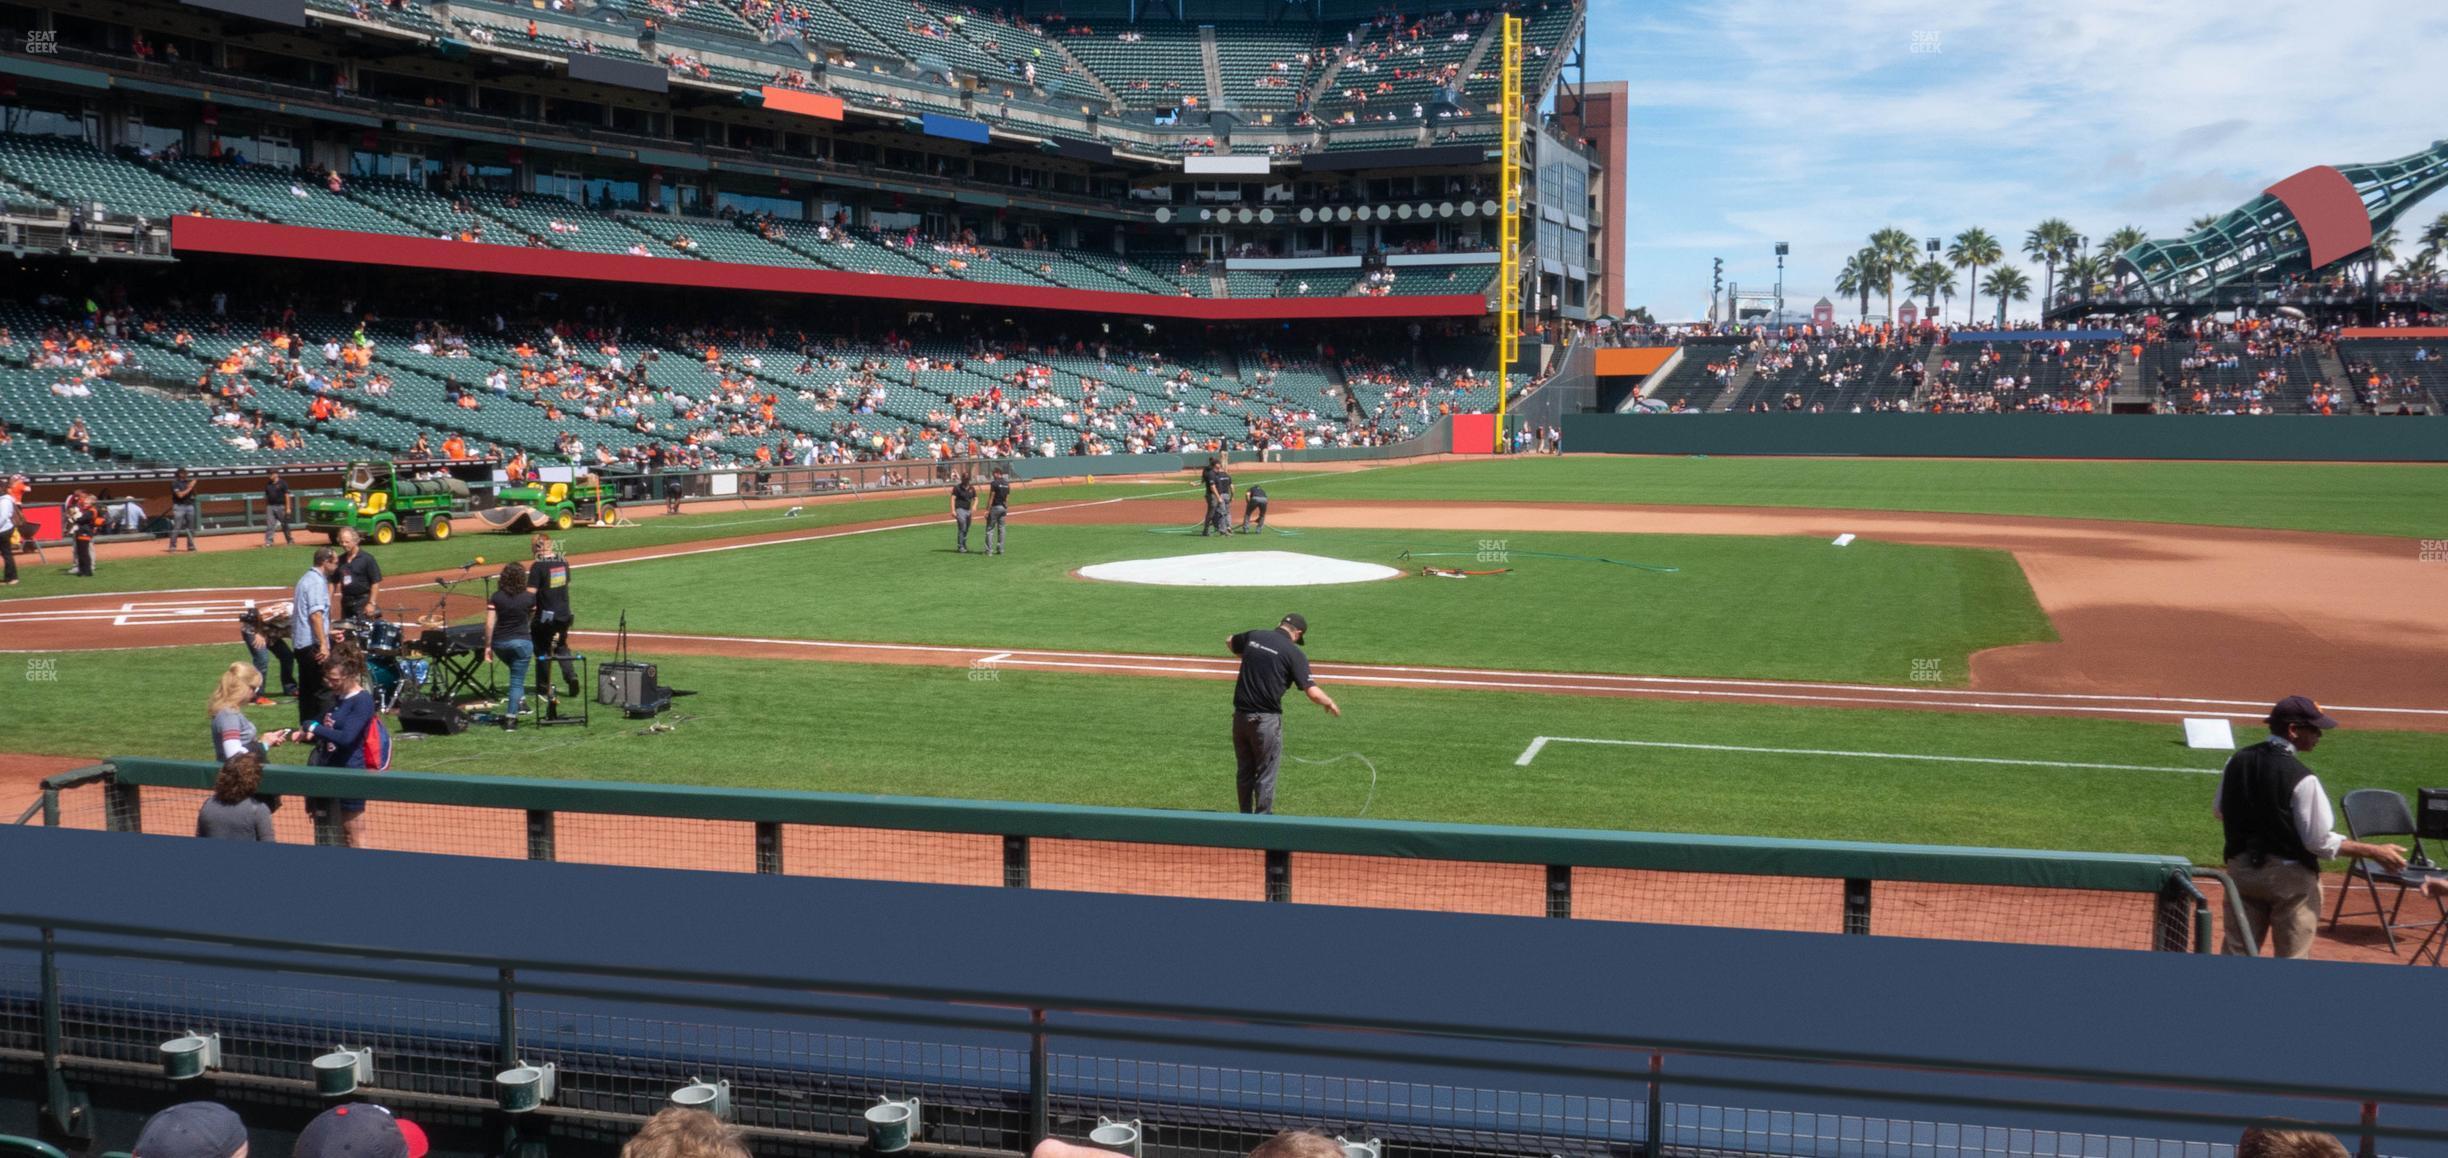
(232, 731)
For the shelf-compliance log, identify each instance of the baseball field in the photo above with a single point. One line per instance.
(2002, 654)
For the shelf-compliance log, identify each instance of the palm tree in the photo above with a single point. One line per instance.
(2384, 249)
(2423, 266)
(2435, 235)
(1859, 274)
(1927, 281)
(2116, 245)
(2085, 273)
(1895, 250)
(2007, 284)
(2049, 243)
(1973, 249)
(2202, 222)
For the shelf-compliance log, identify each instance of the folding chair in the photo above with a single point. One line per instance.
(2372, 812)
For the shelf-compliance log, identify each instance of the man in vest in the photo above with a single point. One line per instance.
(2277, 821)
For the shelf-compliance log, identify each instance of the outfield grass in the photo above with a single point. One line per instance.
(1781, 608)
(280, 566)
(1440, 755)
(2408, 500)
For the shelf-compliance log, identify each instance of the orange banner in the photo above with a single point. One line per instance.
(806, 104)
(1632, 360)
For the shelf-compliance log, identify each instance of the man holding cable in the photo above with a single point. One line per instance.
(1271, 660)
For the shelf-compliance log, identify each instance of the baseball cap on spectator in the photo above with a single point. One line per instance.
(2300, 710)
(360, 1130)
(192, 1130)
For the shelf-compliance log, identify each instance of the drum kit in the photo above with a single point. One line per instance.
(390, 666)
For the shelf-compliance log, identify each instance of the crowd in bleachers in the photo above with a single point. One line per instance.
(288, 384)
(2052, 376)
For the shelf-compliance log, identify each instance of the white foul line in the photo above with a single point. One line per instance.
(1540, 742)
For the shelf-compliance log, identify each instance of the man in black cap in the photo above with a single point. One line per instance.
(964, 499)
(276, 509)
(1219, 500)
(360, 1130)
(998, 507)
(1256, 511)
(192, 1130)
(1271, 660)
(183, 508)
(2277, 821)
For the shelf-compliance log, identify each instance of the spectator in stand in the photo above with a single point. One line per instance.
(192, 1130)
(2267, 1142)
(360, 1130)
(680, 1132)
(233, 811)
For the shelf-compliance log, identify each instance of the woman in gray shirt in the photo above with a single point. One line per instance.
(232, 731)
(234, 813)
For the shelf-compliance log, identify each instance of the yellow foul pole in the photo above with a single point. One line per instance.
(1508, 224)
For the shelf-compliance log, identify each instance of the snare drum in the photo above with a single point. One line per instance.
(382, 637)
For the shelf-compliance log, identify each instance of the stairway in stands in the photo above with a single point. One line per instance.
(1743, 371)
(1212, 65)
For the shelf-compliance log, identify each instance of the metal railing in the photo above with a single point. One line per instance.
(2028, 896)
(457, 1015)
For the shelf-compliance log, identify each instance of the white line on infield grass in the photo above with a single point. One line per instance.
(1539, 743)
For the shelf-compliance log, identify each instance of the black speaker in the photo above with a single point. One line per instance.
(625, 685)
(431, 716)
(2431, 813)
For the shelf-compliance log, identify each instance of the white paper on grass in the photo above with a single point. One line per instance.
(1844, 539)
(2216, 733)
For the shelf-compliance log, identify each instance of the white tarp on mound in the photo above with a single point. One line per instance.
(1239, 569)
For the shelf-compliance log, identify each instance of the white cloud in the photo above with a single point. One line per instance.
(1757, 121)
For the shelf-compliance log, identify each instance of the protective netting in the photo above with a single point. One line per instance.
(1900, 908)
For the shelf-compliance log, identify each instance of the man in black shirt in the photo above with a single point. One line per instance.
(358, 581)
(276, 509)
(1256, 510)
(549, 578)
(2277, 818)
(1271, 660)
(964, 496)
(998, 503)
(1219, 501)
(1207, 475)
(183, 508)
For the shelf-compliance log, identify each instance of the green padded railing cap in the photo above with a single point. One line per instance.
(1583, 848)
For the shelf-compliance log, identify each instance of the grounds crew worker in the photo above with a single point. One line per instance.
(964, 497)
(183, 509)
(2277, 820)
(998, 505)
(1207, 475)
(1219, 501)
(1271, 660)
(1256, 510)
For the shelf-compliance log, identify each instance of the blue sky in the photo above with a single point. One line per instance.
(1758, 121)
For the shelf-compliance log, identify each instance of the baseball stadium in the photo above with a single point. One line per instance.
(707, 578)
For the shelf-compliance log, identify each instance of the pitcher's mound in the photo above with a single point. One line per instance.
(1239, 569)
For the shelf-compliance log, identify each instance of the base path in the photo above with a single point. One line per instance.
(2153, 619)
